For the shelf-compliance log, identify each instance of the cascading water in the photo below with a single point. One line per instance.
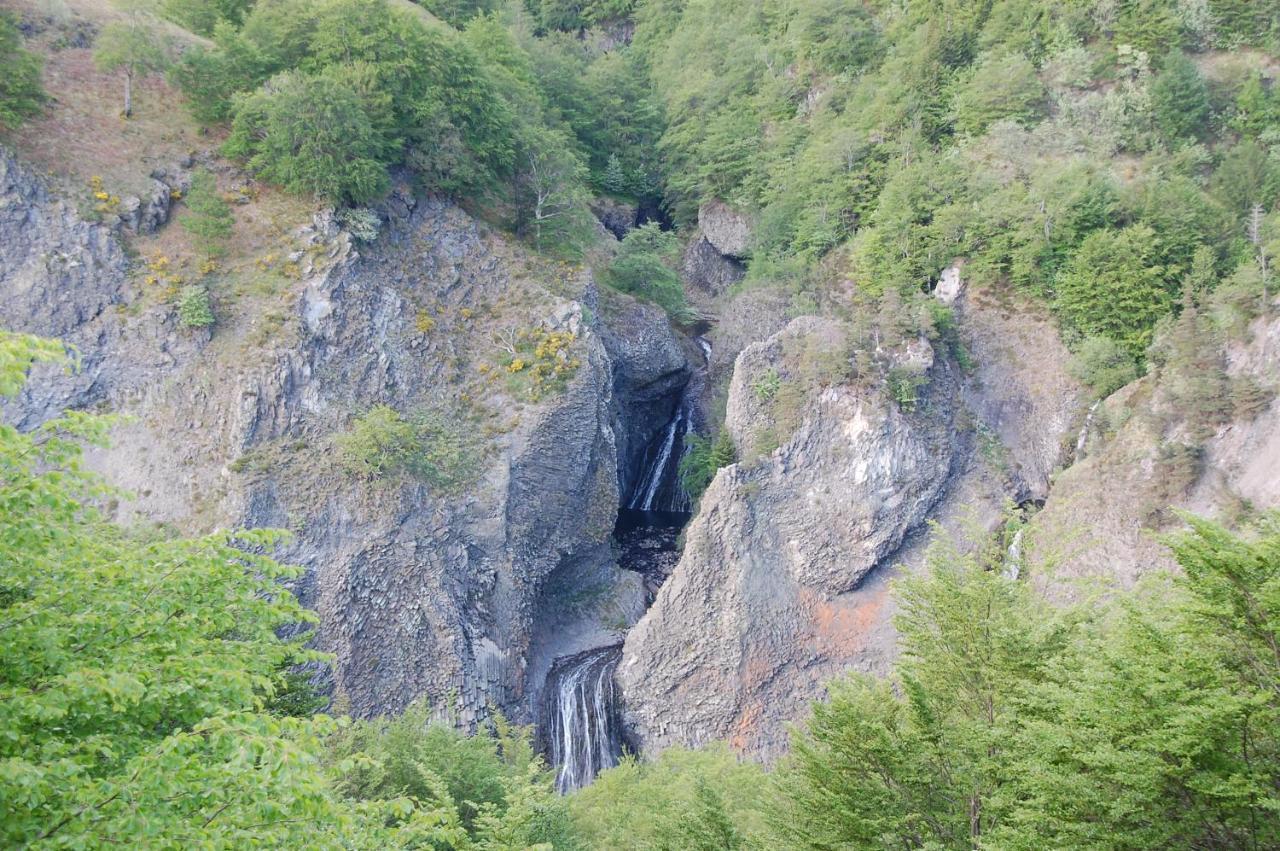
(581, 717)
(581, 724)
(659, 488)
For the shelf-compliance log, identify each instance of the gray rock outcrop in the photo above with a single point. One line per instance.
(460, 598)
(766, 602)
(1020, 390)
(727, 229)
(702, 266)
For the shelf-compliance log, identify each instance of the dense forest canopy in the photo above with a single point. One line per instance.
(1116, 160)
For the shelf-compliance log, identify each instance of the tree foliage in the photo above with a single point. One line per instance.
(21, 92)
(136, 666)
(209, 220)
(1114, 288)
(134, 45)
(1152, 723)
(645, 267)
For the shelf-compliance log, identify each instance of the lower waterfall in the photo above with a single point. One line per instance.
(581, 717)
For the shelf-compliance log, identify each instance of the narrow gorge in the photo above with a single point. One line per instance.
(581, 722)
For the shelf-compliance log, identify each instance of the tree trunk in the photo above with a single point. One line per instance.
(128, 95)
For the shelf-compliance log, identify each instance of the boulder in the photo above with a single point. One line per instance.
(727, 229)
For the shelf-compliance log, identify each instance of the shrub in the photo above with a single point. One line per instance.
(209, 219)
(362, 222)
(904, 386)
(382, 442)
(702, 458)
(1104, 365)
(21, 94)
(767, 385)
(644, 267)
(379, 442)
(194, 309)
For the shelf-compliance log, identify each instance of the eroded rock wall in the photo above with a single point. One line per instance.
(427, 593)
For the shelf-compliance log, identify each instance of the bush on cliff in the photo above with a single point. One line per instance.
(21, 93)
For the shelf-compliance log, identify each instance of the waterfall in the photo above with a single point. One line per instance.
(582, 725)
(659, 488)
(1083, 437)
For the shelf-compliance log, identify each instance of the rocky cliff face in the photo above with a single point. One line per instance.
(459, 597)
(1099, 530)
(765, 602)
(784, 579)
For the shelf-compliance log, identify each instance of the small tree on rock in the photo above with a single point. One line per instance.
(209, 219)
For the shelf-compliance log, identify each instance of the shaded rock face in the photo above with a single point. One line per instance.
(726, 229)
(651, 369)
(458, 598)
(703, 266)
(1020, 390)
(618, 218)
(766, 602)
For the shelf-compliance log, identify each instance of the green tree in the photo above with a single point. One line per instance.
(458, 12)
(209, 219)
(139, 669)
(1001, 87)
(490, 790)
(1114, 287)
(1243, 21)
(836, 35)
(1180, 100)
(645, 267)
(919, 763)
(135, 46)
(210, 78)
(1246, 177)
(21, 94)
(551, 195)
(704, 826)
(203, 16)
(1160, 727)
(135, 669)
(313, 134)
(677, 799)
